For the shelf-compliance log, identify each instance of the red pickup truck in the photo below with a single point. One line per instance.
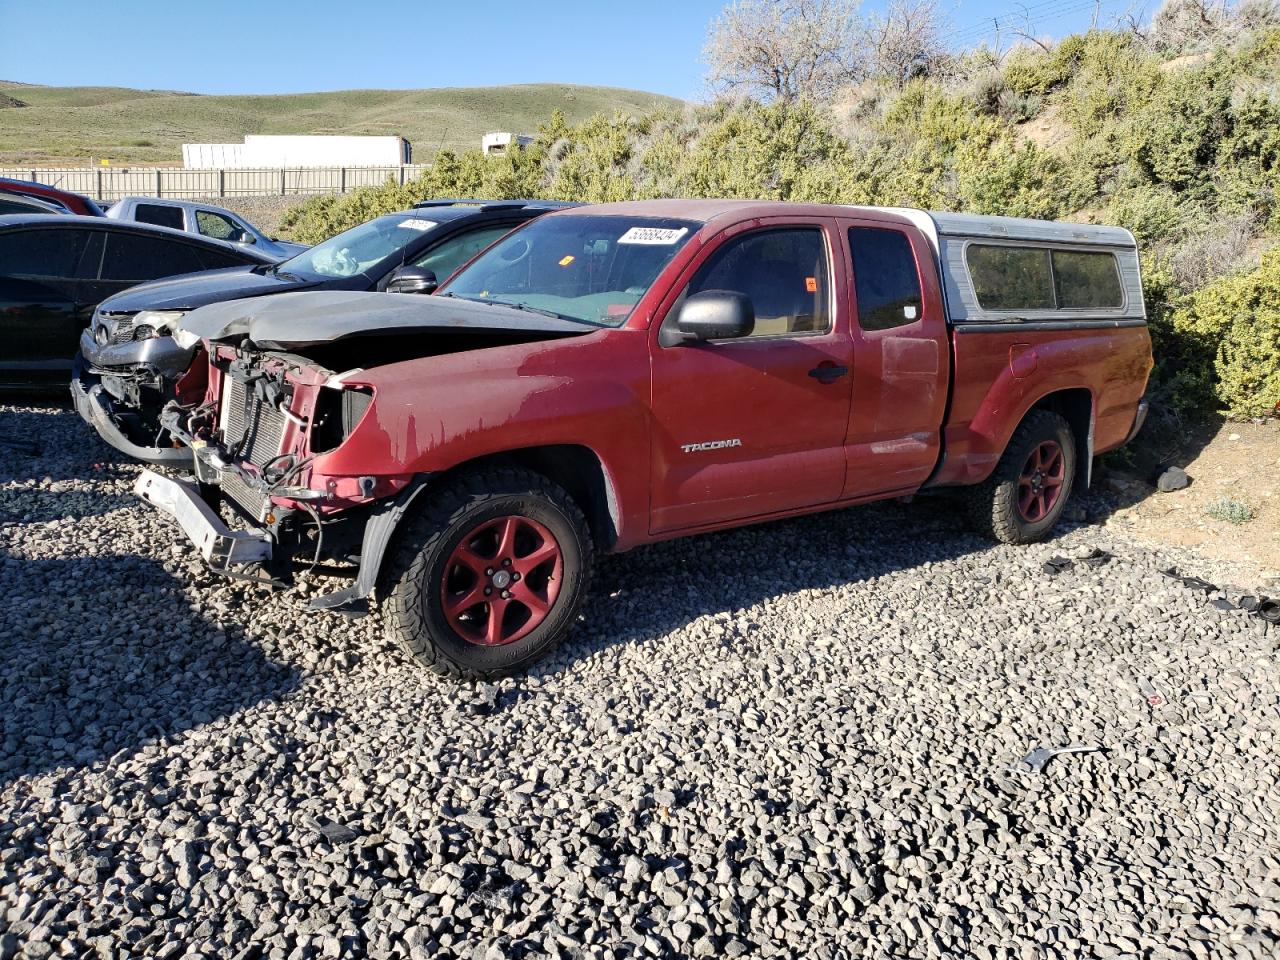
(612, 375)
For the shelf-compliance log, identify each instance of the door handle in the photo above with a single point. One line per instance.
(828, 372)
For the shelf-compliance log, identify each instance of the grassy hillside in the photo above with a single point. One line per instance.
(75, 125)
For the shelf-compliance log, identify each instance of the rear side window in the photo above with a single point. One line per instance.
(41, 253)
(217, 259)
(10, 204)
(783, 272)
(1083, 279)
(1011, 278)
(885, 278)
(159, 214)
(134, 258)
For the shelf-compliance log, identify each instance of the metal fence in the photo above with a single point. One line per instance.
(111, 183)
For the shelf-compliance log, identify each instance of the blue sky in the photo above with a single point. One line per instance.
(287, 46)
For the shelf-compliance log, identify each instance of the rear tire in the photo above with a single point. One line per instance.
(489, 575)
(1026, 493)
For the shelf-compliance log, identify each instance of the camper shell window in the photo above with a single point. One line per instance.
(1009, 277)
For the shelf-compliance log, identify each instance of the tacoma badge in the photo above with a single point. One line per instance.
(710, 445)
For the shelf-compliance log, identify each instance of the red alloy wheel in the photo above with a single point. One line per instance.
(1040, 483)
(501, 580)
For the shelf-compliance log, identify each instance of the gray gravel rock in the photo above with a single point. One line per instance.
(791, 740)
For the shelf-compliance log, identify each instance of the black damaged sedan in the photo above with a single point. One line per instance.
(55, 269)
(135, 357)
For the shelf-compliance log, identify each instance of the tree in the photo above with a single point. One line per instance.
(785, 49)
(906, 40)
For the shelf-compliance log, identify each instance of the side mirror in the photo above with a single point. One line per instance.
(716, 315)
(243, 237)
(412, 280)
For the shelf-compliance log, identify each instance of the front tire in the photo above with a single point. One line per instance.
(489, 576)
(1026, 493)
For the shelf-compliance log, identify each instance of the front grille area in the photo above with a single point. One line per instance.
(255, 430)
(120, 326)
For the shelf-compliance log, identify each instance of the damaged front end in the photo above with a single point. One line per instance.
(258, 442)
(129, 367)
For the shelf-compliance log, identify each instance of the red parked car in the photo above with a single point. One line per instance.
(69, 202)
(608, 376)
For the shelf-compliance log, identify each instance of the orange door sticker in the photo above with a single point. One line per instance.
(811, 284)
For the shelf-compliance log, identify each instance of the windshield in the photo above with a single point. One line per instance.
(582, 267)
(359, 249)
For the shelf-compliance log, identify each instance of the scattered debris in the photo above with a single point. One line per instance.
(1056, 564)
(1095, 557)
(1264, 607)
(1193, 583)
(1154, 699)
(1175, 478)
(1268, 610)
(1034, 761)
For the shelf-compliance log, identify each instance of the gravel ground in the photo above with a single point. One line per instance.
(786, 741)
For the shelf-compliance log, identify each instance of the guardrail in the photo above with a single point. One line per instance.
(109, 184)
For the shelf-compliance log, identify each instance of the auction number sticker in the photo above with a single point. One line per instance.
(653, 236)
(416, 223)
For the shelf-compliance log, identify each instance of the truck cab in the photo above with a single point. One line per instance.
(612, 375)
(203, 219)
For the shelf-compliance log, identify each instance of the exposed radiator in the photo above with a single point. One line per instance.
(256, 431)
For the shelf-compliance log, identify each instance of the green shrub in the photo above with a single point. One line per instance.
(1175, 136)
(1229, 336)
(1152, 213)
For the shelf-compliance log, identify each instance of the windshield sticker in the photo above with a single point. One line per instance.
(415, 223)
(566, 260)
(811, 284)
(653, 236)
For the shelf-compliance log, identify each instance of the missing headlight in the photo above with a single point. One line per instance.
(337, 413)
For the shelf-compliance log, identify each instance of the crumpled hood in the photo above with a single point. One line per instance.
(294, 320)
(191, 290)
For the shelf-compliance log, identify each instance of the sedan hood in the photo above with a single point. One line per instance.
(295, 320)
(193, 290)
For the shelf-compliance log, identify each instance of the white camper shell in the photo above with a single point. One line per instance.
(1039, 274)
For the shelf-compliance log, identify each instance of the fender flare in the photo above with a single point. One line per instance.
(378, 531)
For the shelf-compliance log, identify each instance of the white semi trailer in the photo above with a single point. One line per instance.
(265, 150)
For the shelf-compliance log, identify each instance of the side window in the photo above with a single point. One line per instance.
(9, 204)
(217, 259)
(52, 254)
(1083, 279)
(218, 226)
(1011, 278)
(784, 272)
(133, 258)
(885, 278)
(159, 214)
(449, 255)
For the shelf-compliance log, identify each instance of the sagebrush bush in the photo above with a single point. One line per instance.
(1230, 510)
